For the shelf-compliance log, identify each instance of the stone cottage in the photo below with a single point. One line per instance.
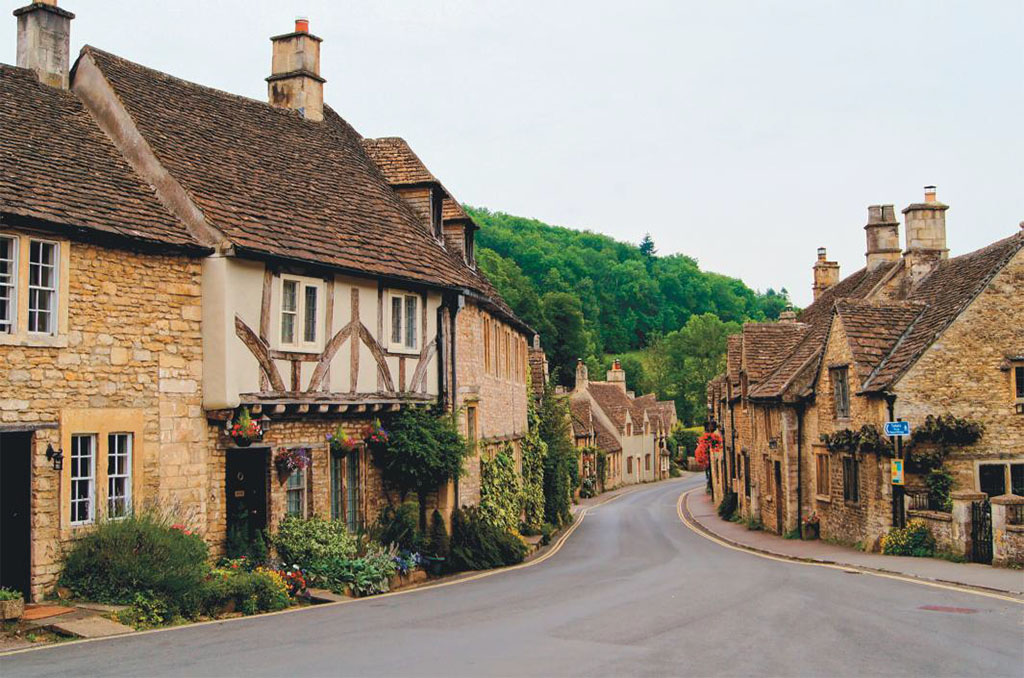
(914, 334)
(172, 255)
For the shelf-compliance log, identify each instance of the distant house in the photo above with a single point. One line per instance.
(913, 334)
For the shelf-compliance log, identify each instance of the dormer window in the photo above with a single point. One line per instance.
(436, 207)
(470, 252)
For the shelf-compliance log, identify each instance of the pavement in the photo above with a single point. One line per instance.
(631, 591)
(701, 508)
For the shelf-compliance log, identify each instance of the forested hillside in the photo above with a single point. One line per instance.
(592, 296)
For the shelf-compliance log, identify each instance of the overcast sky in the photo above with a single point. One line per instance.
(744, 134)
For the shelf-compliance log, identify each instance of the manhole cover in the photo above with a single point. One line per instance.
(943, 608)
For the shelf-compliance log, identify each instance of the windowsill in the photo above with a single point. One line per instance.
(823, 499)
(402, 351)
(312, 349)
(41, 340)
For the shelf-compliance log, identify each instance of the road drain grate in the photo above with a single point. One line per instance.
(943, 608)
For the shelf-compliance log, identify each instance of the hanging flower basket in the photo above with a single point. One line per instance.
(244, 430)
(376, 438)
(290, 459)
(340, 442)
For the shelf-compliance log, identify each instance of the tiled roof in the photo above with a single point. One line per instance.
(817, 317)
(668, 412)
(606, 441)
(613, 401)
(947, 291)
(276, 184)
(582, 425)
(873, 328)
(734, 358)
(398, 163)
(766, 344)
(451, 210)
(58, 166)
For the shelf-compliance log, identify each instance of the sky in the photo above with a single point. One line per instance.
(743, 134)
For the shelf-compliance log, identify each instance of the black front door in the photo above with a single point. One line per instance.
(15, 493)
(246, 490)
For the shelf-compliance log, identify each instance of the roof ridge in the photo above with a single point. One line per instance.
(896, 344)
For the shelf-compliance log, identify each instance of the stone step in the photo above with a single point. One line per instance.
(90, 627)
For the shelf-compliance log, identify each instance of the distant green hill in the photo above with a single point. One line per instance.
(626, 293)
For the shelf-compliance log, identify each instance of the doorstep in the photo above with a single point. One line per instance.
(93, 626)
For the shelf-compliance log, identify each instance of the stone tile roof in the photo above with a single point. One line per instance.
(613, 401)
(451, 210)
(57, 165)
(606, 441)
(946, 291)
(817, 318)
(397, 162)
(649, 403)
(276, 184)
(766, 344)
(668, 413)
(872, 329)
(734, 358)
(582, 421)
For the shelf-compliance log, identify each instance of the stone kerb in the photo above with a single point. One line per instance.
(1007, 538)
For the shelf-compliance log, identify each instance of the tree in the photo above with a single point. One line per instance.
(563, 333)
(561, 471)
(647, 248)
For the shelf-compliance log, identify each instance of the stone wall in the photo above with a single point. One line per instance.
(132, 350)
(940, 525)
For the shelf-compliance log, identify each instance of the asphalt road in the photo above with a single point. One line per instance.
(632, 592)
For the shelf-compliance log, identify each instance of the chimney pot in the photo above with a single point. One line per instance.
(821, 254)
(929, 194)
(301, 24)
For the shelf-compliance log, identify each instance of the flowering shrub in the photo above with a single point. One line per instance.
(405, 561)
(913, 540)
(708, 444)
(294, 579)
(290, 459)
(244, 429)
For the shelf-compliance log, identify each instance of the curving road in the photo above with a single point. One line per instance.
(632, 592)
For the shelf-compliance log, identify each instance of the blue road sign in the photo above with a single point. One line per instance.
(897, 428)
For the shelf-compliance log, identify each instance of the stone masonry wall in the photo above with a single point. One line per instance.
(133, 347)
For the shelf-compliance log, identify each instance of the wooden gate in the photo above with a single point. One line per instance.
(981, 532)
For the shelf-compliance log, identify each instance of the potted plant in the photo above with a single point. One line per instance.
(811, 528)
(12, 604)
(244, 430)
(340, 443)
(438, 544)
(376, 438)
(290, 459)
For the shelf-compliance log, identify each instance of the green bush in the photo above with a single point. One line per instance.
(478, 545)
(400, 526)
(728, 506)
(439, 545)
(304, 541)
(9, 594)
(146, 612)
(546, 531)
(249, 592)
(366, 575)
(141, 553)
(940, 483)
(673, 469)
(685, 440)
(913, 540)
(501, 498)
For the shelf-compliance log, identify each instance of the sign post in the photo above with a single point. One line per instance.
(897, 472)
(897, 430)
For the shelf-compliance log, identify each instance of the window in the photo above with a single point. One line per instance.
(629, 465)
(851, 479)
(470, 252)
(993, 479)
(647, 462)
(822, 483)
(83, 479)
(487, 345)
(436, 204)
(769, 477)
(404, 326)
(471, 424)
(42, 287)
(1018, 376)
(297, 493)
(299, 308)
(841, 391)
(119, 474)
(629, 428)
(8, 284)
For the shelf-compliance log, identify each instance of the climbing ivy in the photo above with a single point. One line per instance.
(602, 467)
(534, 450)
(501, 498)
(946, 429)
(867, 439)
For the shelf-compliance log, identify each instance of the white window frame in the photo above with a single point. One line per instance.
(113, 452)
(53, 311)
(11, 321)
(301, 313)
(404, 299)
(90, 498)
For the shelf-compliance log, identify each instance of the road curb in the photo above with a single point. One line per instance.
(690, 521)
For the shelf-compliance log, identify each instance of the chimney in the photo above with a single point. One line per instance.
(295, 80)
(617, 376)
(787, 317)
(926, 235)
(44, 37)
(883, 236)
(826, 273)
(582, 378)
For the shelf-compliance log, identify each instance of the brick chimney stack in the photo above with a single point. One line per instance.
(826, 273)
(44, 41)
(926, 235)
(582, 378)
(883, 236)
(617, 376)
(295, 80)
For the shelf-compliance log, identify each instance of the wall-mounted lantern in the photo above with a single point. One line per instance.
(56, 457)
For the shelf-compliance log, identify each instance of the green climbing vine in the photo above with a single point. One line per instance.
(501, 498)
(534, 451)
(867, 439)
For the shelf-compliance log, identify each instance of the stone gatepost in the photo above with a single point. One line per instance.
(1006, 538)
(960, 530)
